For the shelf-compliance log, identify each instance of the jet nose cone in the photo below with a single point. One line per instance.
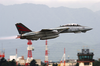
(91, 28)
(88, 28)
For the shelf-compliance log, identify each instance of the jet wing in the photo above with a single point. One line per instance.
(46, 30)
(60, 30)
(63, 30)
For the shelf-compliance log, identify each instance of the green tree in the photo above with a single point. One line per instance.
(19, 65)
(55, 64)
(77, 64)
(5, 64)
(3, 60)
(43, 64)
(33, 63)
(96, 63)
(12, 63)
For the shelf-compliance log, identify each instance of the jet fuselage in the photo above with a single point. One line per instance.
(44, 34)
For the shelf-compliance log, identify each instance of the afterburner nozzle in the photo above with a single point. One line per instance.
(18, 36)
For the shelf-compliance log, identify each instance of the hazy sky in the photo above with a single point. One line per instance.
(53, 3)
(90, 38)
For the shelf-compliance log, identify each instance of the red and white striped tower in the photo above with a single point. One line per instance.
(16, 54)
(16, 58)
(46, 53)
(29, 48)
(0, 55)
(3, 53)
(64, 57)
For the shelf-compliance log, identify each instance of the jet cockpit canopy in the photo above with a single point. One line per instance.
(72, 24)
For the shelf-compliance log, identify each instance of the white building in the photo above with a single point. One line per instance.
(12, 57)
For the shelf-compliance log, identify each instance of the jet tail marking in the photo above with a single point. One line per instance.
(22, 29)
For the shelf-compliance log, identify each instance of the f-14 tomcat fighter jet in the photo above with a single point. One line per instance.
(44, 34)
